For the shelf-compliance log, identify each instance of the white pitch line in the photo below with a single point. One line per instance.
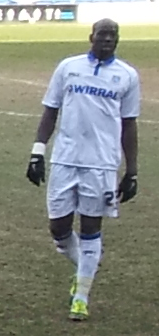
(147, 121)
(123, 39)
(44, 85)
(31, 115)
(151, 100)
(24, 81)
(18, 114)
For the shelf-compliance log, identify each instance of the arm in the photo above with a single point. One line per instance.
(130, 144)
(47, 125)
(130, 110)
(36, 168)
(52, 101)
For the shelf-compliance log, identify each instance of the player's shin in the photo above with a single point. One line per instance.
(89, 258)
(68, 245)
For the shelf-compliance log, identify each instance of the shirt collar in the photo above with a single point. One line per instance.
(92, 58)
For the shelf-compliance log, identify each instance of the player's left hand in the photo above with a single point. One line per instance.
(127, 187)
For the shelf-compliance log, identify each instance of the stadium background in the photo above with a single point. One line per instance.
(123, 11)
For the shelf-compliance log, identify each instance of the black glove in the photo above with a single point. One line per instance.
(127, 188)
(36, 169)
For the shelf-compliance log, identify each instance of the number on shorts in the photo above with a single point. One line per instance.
(109, 197)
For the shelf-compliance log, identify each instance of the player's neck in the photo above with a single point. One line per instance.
(102, 57)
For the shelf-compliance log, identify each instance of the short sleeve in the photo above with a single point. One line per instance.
(54, 93)
(130, 102)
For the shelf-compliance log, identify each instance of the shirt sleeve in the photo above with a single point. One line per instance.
(54, 94)
(130, 103)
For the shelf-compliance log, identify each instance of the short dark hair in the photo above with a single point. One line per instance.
(105, 22)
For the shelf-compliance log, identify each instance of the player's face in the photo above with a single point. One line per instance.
(104, 40)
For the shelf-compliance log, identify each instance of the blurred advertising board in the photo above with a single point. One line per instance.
(38, 12)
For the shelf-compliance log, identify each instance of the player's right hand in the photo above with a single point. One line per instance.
(36, 169)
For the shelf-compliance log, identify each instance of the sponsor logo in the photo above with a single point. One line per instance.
(94, 91)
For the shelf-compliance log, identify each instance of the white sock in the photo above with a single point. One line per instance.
(89, 257)
(69, 247)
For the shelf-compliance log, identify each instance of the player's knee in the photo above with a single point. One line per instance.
(90, 225)
(60, 227)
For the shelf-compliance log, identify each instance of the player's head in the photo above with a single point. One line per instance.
(104, 38)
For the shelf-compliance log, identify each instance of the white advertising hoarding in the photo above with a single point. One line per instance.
(122, 12)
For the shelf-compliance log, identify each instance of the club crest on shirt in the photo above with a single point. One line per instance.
(116, 79)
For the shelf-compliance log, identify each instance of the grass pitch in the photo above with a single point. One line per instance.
(69, 32)
(34, 279)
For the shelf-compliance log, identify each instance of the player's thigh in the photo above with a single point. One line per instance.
(90, 192)
(97, 193)
(61, 191)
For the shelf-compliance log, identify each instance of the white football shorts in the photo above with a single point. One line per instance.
(90, 192)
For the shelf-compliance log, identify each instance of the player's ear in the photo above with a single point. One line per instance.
(117, 39)
(91, 38)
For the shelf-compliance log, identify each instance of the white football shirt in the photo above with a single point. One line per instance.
(93, 98)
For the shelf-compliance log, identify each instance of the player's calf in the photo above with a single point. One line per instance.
(66, 240)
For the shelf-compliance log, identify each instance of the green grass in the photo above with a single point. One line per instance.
(34, 279)
(47, 54)
(71, 32)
